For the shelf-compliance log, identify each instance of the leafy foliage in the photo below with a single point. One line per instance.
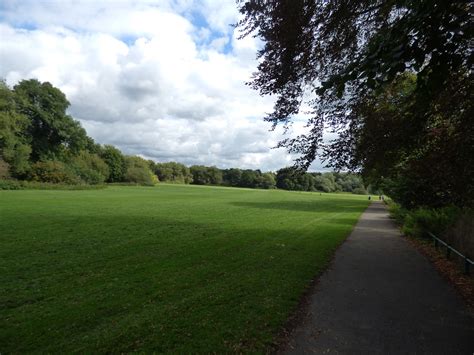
(90, 168)
(290, 178)
(203, 175)
(51, 131)
(40, 142)
(138, 171)
(389, 77)
(115, 161)
(173, 172)
(420, 221)
(9, 184)
(231, 177)
(53, 171)
(14, 147)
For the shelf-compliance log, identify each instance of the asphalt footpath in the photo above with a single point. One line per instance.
(380, 296)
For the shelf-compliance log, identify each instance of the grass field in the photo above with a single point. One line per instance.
(165, 269)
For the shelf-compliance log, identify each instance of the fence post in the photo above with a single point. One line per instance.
(467, 265)
(448, 252)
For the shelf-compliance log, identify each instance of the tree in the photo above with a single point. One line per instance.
(343, 54)
(203, 175)
(115, 161)
(432, 165)
(14, 147)
(290, 178)
(231, 177)
(250, 178)
(200, 176)
(173, 172)
(138, 171)
(267, 181)
(215, 175)
(284, 178)
(348, 182)
(51, 131)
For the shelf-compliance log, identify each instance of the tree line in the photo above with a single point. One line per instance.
(40, 142)
(287, 178)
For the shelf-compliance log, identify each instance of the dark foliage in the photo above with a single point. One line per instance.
(51, 130)
(344, 56)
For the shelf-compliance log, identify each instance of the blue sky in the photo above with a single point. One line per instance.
(162, 79)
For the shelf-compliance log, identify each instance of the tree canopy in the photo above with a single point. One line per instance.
(50, 128)
(392, 78)
(39, 141)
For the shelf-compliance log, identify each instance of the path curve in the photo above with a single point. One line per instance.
(381, 296)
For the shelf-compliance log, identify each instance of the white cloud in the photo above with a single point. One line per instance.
(144, 77)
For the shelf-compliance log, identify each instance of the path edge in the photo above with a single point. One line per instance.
(298, 314)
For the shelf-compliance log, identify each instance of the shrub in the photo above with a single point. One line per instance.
(417, 223)
(90, 176)
(139, 175)
(115, 162)
(53, 171)
(138, 171)
(10, 185)
(90, 168)
(397, 212)
(35, 185)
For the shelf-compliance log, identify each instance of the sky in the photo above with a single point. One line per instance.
(161, 79)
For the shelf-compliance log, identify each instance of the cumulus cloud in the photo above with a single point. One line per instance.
(165, 80)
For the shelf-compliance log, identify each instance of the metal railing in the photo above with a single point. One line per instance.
(467, 262)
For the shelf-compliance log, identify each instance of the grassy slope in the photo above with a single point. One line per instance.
(170, 268)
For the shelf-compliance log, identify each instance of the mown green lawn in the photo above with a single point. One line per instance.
(166, 269)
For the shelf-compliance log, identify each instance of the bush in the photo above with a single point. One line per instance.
(397, 212)
(139, 175)
(90, 176)
(36, 185)
(115, 162)
(417, 223)
(90, 168)
(138, 172)
(53, 171)
(10, 185)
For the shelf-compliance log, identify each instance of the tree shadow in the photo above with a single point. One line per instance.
(304, 206)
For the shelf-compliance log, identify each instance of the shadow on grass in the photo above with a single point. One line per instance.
(112, 265)
(304, 206)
